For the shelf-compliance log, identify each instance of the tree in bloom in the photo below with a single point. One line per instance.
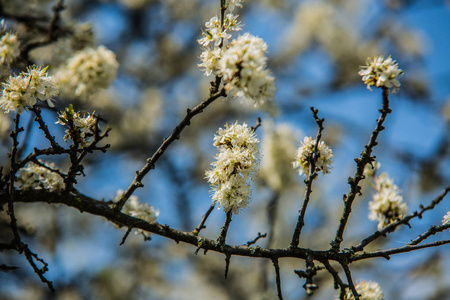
(235, 165)
(304, 154)
(387, 203)
(381, 72)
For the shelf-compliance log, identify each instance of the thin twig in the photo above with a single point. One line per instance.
(224, 230)
(260, 236)
(432, 231)
(125, 236)
(203, 221)
(351, 285)
(44, 128)
(338, 283)
(308, 181)
(137, 182)
(277, 278)
(387, 253)
(365, 158)
(405, 220)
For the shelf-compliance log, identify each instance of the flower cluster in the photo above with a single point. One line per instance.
(81, 127)
(242, 64)
(9, 46)
(138, 210)
(278, 148)
(387, 203)
(34, 176)
(446, 219)
(369, 290)
(304, 155)
(235, 164)
(381, 72)
(243, 67)
(22, 91)
(87, 71)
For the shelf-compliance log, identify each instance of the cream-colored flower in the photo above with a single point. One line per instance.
(381, 72)
(369, 290)
(23, 91)
(387, 204)
(235, 165)
(34, 176)
(88, 71)
(304, 155)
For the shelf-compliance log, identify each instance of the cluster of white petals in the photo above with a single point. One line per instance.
(369, 290)
(381, 72)
(243, 68)
(82, 126)
(139, 210)
(235, 164)
(231, 4)
(22, 91)
(9, 48)
(242, 64)
(304, 155)
(87, 71)
(34, 176)
(446, 219)
(387, 203)
(278, 148)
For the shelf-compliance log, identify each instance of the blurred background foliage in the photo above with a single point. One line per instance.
(315, 48)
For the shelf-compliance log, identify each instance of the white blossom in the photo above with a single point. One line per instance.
(213, 33)
(369, 290)
(381, 72)
(231, 4)
(210, 58)
(34, 176)
(22, 91)
(235, 165)
(88, 71)
(387, 204)
(278, 150)
(83, 126)
(304, 155)
(243, 68)
(446, 218)
(139, 210)
(9, 48)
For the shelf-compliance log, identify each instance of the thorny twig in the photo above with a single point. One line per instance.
(137, 182)
(308, 181)
(365, 158)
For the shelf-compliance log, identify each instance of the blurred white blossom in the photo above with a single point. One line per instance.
(235, 164)
(23, 91)
(304, 155)
(278, 149)
(9, 46)
(232, 4)
(139, 210)
(446, 218)
(88, 71)
(387, 204)
(371, 169)
(34, 176)
(369, 290)
(381, 72)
